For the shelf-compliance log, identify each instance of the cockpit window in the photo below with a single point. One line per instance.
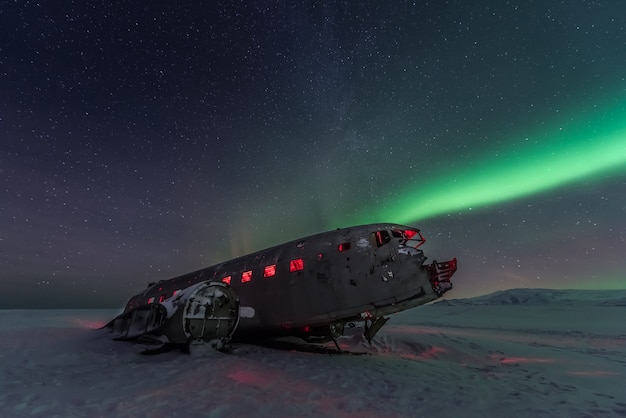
(405, 234)
(413, 238)
(382, 238)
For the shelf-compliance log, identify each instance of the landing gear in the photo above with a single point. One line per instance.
(372, 326)
(336, 331)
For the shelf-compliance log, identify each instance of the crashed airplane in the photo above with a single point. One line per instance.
(311, 288)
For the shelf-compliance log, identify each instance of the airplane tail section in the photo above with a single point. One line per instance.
(142, 320)
(207, 312)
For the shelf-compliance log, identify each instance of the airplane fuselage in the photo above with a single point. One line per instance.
(334, 277)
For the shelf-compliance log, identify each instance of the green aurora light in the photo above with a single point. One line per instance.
(608, 280)
(544, 161)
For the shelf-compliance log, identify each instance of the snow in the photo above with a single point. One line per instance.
(246, 312)
(180, 298)
(524, 352)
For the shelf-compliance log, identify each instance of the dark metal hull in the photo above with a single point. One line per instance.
(306, 285)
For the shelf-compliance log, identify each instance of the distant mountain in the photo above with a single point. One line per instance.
(534, 297)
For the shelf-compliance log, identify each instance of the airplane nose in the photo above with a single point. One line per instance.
(440, 275)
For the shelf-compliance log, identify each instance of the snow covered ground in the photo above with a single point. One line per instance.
(524, 352)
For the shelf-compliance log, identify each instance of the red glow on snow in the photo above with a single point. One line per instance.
(226, 280)
(272, 383)
(409, 329)
(432, 352)
(88, 323)
(269, 271)
(250, 378)
(593, 373)
(295, 265)
(246, 276)
(522, 360)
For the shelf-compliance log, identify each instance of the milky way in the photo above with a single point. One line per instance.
(142, 141)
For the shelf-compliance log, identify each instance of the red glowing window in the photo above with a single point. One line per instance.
(295, 265)
(162, 298)
(414, 238)
(226, 280)
(269, 271)
(151, 300)
(344, 246)
(246, 276)
(382, 238)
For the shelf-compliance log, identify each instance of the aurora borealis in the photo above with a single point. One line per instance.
(568, 154)
(141, 141)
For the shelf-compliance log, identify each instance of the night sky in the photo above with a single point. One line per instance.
(143, 140)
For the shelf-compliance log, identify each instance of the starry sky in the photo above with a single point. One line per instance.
(143, 140)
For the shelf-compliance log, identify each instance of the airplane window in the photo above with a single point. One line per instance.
(269, 271)
(226, 280)
(413, 238)
(246, 276)
(295, 265)
(382, 238)
(344, 246)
